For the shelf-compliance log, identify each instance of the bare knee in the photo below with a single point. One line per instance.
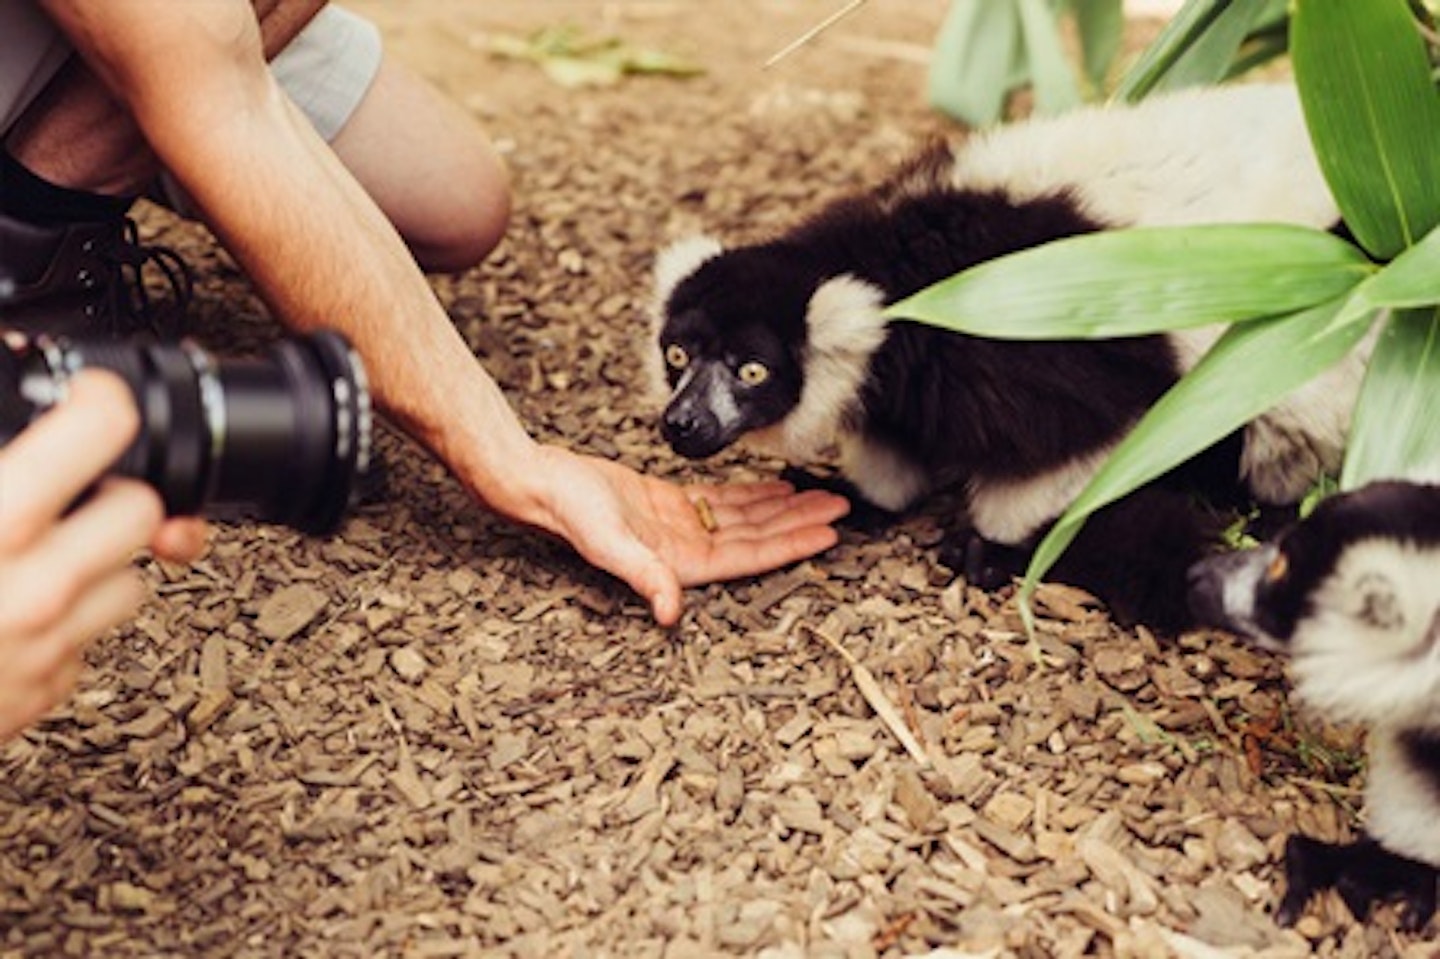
(429, 167)
(463, 222)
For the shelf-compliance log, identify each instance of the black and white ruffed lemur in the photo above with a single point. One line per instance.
(786, 339)
(1351, 596)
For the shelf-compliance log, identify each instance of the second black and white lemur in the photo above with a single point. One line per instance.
(1351, 595)
(786, 339)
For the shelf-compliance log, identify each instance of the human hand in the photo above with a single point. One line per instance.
(66, 578)
(648, 531)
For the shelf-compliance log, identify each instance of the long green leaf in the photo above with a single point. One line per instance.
(1250, 369)
(1209, 58)
(973, 66)
(1129, 282)
(1396, 434)
(1181, 34)
(1411, 279)
(1259, 49)
(1101, 26)
(1050, 72)
(1374, 116)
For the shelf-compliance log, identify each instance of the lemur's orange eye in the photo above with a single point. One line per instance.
(753, 373)
(1277, 569)
(676, 357)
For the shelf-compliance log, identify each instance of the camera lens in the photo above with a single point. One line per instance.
(281, 438)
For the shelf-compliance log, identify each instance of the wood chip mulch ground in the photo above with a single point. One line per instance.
(437, 735)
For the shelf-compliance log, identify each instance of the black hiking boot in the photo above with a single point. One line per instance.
(88, 278)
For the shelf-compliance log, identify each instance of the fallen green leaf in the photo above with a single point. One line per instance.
(573, 58)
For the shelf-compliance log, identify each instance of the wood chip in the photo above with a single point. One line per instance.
(289, 610)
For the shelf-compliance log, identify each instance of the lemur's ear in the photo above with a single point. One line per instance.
(678, 261)
(1378, 606)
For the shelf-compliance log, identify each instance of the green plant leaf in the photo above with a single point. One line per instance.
(1269, 38)
(1396, 434)
(976, 59)
(1411, 279)
(1101, 25)
(1182, 33)
(1374, 116)
(574, 59)
(1250, 369)
(1051, 75)
(1209, 59)
(1129, 282)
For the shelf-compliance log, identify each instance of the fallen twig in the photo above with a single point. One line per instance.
(869, 687)
(814, 32)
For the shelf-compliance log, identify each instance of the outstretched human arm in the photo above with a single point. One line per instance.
(322, 254)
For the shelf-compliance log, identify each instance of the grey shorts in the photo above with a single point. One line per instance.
(326, 69)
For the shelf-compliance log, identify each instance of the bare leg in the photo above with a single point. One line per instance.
(75, 135)
(429, 168)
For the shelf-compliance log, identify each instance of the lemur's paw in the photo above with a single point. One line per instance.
(1364, 873)
(983, 563)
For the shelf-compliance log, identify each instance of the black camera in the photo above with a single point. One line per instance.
(281, 438)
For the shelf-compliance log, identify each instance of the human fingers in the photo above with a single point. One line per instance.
(180, 540)
(106, 603)
(742, 494)
(25, 703)
(41, 670)
(749, 555)
(642, 569)
(88, 545)
(51, 462)
(779, 514)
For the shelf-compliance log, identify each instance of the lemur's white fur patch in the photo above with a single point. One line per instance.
(1011, 510)
(1230, 154)
(1400, 801)
(1368, 650)
(719, 399)
(672, 264)
(1238, 592)
(845, 326)
(880, 472)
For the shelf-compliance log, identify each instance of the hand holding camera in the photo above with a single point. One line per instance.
(65, 574)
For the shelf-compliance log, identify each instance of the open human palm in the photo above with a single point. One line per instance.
(650, 533)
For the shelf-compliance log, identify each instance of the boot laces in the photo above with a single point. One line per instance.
(128, 303)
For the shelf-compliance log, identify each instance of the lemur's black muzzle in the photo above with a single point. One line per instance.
(704, 416)
(1221, 589)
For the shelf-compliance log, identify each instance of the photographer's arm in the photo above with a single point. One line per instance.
(322, 254)
(65, 579)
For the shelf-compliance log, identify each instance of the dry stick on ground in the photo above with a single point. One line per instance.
(869, 687)
(814, 32)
